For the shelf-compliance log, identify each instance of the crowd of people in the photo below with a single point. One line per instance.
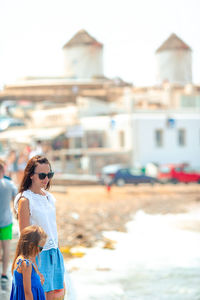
(38, 267)
(16, 160)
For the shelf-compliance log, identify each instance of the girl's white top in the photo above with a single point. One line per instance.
(42, 213)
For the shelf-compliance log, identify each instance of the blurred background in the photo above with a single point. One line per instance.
(110, 92)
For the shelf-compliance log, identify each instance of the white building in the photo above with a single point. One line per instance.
(167, 137)
(107, 122)
(83, 57)
(142, 137)
(174, 61)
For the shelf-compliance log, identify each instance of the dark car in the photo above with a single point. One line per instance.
(131, 175)
(120, 174)
(108, 172)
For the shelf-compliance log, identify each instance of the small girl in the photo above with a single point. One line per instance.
(27, 284)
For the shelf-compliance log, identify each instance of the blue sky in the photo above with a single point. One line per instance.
(32, 33)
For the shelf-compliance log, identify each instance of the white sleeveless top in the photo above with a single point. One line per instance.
(42, 213)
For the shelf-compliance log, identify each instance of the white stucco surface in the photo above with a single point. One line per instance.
(170, 152)
(174, 66)
(83, 61)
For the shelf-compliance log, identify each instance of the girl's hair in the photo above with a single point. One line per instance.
(28, 243)
(2, 165)
(29, 171)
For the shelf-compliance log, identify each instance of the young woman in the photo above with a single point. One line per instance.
(26, 282)
(34, 205)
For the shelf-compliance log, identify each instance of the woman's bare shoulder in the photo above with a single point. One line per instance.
(23, 200)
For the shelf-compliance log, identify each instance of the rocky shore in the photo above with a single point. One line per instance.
(84, 212)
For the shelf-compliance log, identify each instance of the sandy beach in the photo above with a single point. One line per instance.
(83, 212)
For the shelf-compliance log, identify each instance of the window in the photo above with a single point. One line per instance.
(165, 170)
(95, 139)
(181, 137)
(78, 142)
(134, 171)
(121, 139)
(159, 138)
(188, 170)
(124, 171)
(190, 101)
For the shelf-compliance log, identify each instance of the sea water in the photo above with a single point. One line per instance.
(158, 258)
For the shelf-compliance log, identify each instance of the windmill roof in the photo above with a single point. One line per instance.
(80, 38)
(173, 42)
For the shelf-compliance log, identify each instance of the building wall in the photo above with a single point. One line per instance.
(88, 106)
(83, 61)
(169, 96)
(54, 117)
(174, 66)
(190, 101)
(170, 152)
(112, 128)
(136, 133)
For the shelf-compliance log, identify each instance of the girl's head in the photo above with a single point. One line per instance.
(31, 242)
(37, 172)
(2, 168)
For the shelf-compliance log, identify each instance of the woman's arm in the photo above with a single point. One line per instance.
(23, 213)
(40, 274)
(26, 272)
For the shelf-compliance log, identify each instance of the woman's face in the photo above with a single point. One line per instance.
(36, 181)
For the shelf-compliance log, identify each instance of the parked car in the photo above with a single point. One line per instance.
(123, 175)
(131, 175)
(175, 173)
(108, 172)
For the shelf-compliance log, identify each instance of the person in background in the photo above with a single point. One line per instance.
(8, 191)
(37, 150)
(35, 205)
(12, 165)
(5, 169)
(26, 282)
(22, 161)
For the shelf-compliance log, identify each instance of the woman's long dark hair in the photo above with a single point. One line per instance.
(29, 171)
(28, 243)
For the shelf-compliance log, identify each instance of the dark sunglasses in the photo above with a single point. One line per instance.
(43, 175)
(40, 248)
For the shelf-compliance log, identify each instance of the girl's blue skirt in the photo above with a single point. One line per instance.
(51, 264)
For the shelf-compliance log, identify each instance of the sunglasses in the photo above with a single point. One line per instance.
(40, 248)
(43, 175)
